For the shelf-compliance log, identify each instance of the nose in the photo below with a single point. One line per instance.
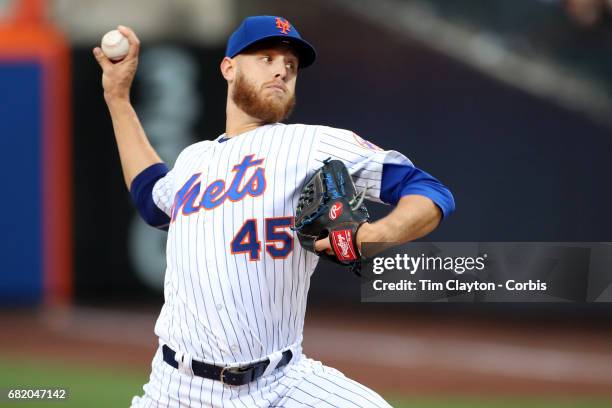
(280, 69)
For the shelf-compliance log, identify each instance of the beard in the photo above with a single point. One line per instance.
(266, 109)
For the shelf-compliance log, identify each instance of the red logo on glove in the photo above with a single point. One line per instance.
(335, 210)
(342, 241)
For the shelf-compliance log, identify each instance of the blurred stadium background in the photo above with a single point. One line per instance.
(508, 102)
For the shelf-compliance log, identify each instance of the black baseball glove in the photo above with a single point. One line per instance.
(330, 206)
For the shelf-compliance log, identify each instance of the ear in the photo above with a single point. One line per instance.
(228, 68)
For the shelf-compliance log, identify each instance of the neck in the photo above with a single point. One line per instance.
(237, 121)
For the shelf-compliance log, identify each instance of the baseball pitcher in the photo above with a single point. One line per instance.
(237, 277)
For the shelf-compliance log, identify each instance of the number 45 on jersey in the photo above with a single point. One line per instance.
(278, 239)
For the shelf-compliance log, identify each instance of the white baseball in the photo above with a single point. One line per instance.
(115, 45)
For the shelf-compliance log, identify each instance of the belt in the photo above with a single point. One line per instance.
(227, 375)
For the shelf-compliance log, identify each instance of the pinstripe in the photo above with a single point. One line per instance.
(200, 231)
(243, 152)
(173, 385)
(240, 399)
(222, 395)
(248, 275)
(179, 328)
(162, 374)
(193, 326)
(345, 149)
(210, 280)
(169, 287)
(195, 302)
(284, 261)
(301, 373)
(212, 390)
(265, 275)
(348, 162)
(294, 300)
(336, 384)
(240, 274)
(303, 254)
(277, 394)
(283, 275)
(242, 392)
(175, 304)
(167, 396)
(178, 388)
(201, 391)
(325, 390)
(300, 403)
(361, 177)
(277, 325)
(272, 266)
(229, 270)
(271, 300)
(297, 388)
(372, 170)
(235, 270)
(354, 383)
(189, 392)
(218, 273)
(267, 314)
(252, 396)
(296, 272)
(184, 321)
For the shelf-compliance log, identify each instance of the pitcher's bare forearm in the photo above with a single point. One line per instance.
(135, 151)
(414, 217)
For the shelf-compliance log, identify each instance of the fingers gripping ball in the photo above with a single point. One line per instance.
(115, 45)
(330, 206)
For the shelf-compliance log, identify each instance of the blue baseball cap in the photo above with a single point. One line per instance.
(257, 28)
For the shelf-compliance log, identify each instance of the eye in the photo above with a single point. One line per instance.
(292, 66)
(266, 58)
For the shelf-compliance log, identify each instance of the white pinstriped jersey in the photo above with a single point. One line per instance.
(237, 279)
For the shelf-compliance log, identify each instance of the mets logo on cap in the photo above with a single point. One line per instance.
(283, 25)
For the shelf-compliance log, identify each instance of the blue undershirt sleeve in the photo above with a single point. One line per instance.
(142, 195)
(399, 180)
